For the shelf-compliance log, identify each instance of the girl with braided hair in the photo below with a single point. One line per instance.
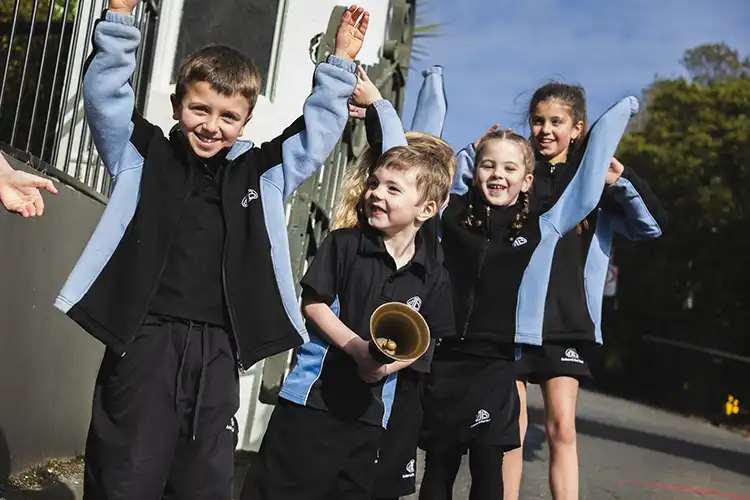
(572, 313)
(498, 251)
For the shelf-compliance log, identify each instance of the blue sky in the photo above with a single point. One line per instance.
(496, 52)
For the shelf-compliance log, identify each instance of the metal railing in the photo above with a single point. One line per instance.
(44, 47)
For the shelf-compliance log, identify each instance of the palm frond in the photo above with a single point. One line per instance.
(427, 28)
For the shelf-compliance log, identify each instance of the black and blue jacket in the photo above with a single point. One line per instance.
(109, 290)
(573, 302)
(500, 288)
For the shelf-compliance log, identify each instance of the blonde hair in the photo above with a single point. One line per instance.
(433, 156)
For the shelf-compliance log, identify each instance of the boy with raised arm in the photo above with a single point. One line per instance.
(187, 277)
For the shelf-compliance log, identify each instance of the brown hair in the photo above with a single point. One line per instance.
(528, 167)
(433, 156)
(226, 69)
(572, 96)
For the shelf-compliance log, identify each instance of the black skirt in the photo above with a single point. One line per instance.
(470, 400)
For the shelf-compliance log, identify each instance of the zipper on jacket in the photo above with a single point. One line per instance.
(166, 255)
(482, 255)
(232, 323)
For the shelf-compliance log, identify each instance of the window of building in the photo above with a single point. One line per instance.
(248, 25)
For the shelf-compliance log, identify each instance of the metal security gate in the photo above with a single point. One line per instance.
(43, 51)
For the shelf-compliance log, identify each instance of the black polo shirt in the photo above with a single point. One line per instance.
(354, 266)
(191, 284)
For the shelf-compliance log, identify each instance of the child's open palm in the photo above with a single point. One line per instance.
(351, 32)
(123, 6)
(19, 192)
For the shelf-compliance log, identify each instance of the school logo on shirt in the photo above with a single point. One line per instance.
(251, 195)
(414, 302)
(411, 468)
(483, 417)
(572, 356)
(519, 241)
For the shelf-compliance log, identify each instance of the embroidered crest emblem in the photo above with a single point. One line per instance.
(251, 195)
(415, 303)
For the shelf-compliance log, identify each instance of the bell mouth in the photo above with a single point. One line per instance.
(398, 333)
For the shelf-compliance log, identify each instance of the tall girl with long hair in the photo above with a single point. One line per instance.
(498, 252)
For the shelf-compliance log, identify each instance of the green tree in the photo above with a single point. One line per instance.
(710, 63)
(694, 147)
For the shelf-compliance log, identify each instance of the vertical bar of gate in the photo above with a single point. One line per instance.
(54, 77)
(321, 196)
(64, 95)
(87, 174)
(90, 146)
(97, 174)
(335, 175)
(23, 72)
(16, 12)
(141, 13)
(76, 101)
(340, 170)
(39, 78)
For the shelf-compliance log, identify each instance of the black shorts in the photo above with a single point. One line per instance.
(470, 400)
(310, 454)
(540, 363)
(396, 473)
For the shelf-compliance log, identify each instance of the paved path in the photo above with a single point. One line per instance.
(627, 451)
(634, 452)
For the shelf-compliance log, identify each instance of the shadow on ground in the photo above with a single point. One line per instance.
(725, 459)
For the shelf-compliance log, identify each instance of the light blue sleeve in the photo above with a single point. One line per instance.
(108, 98)
(584, 192)
(305, 145)
(432, 104)
(391, 127)
(465, 166)
(644, 216)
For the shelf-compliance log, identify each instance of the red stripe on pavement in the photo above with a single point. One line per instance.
(687, 488)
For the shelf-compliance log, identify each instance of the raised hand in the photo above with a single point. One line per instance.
(19, 192)
(366, 92)
(123, 6)
(492, 129)
(614, 172)
(351, 32)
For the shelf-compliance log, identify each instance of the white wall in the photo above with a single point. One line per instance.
(303, 19)
(291, 75)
